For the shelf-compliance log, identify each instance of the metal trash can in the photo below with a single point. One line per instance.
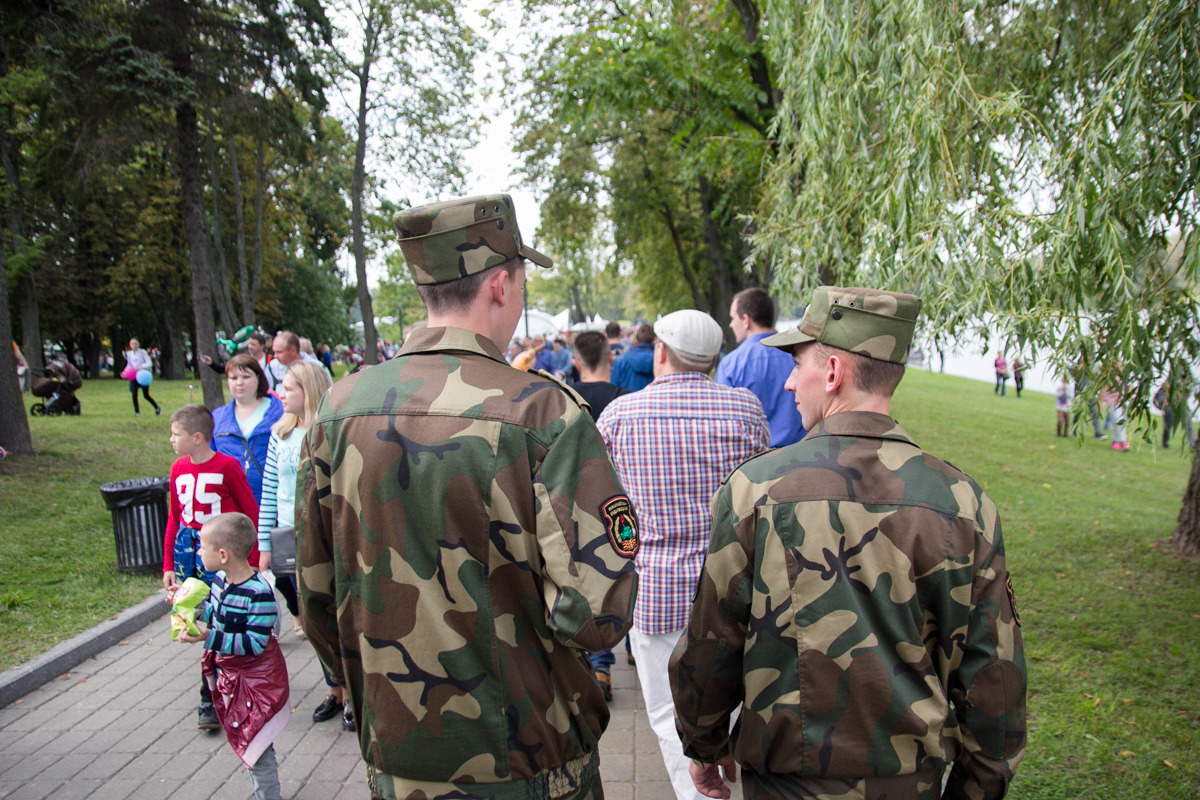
(139, 516)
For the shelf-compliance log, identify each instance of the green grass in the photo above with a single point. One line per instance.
(1110, 616)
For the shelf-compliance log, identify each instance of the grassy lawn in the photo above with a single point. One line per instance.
(1110, 618)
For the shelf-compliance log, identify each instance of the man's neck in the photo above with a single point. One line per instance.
(475, 322)
(755, 330)
(599, 376)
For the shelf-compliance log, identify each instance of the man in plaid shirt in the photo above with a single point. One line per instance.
(673, 443)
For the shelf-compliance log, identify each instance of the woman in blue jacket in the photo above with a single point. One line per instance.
(242, 429)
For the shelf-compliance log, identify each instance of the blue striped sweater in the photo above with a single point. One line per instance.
(240, 617)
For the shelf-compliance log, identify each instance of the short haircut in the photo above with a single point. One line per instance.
(261, 338)
(248, 363)
(645, 333)
(234, 532)
(757, 305)
(290, 340)
(682, 364)
(195, 418)
(589, 347)
(612, 330)
(870, 374)
(458, 295)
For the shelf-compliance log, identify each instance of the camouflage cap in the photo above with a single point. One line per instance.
(446, 241)
(869, 322)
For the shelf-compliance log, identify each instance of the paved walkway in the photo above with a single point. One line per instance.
(123, 725)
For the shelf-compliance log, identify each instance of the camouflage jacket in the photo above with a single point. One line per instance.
(463, 539)
(855, 598)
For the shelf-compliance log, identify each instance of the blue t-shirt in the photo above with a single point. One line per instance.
(764, 370)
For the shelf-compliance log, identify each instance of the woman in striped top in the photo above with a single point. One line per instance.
(300, 391)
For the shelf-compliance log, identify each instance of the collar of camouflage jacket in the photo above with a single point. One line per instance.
(860, 423)
(430, 340)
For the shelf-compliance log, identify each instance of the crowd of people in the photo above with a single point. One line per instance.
(1110, 405)
(465, 530)
(454, 528)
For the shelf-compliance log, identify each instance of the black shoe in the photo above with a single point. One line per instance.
(206, 719)
(348, 718)
(629, 659)
(330, 707)
(158, 411)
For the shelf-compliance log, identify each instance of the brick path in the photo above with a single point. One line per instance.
(123, 725)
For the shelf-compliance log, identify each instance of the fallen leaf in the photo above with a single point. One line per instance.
(1060, 574)
(1169, 764)
(1047, 486)
(1096, 703)
(1128, 753)
(1126, 700)
(64, 677)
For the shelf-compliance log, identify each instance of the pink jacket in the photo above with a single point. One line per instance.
(250, 694)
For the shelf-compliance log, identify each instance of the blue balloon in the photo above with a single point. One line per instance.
(144, 376)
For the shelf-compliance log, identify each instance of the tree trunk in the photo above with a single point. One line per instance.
(1186, 539)
(259, 189)
(224, 301)
(204, 342)
(14, 425)
(722, 280)
(370, 353)
(90, 347)
(14, 222)
(240, 222)
(31, 326)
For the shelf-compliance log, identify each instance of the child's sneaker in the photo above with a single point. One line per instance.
(206, 718)
(1116, 445)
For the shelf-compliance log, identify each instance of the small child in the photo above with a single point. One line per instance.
(203, 484)
(1062, 405)
(242, 662)
(1116, 407)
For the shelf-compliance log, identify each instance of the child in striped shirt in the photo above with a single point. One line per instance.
(242, 661)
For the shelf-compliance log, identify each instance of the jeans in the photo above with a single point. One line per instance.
(265, 776)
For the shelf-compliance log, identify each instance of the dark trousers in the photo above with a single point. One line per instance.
(133, 390)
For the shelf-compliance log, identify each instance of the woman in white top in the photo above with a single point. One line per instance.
(138, 358)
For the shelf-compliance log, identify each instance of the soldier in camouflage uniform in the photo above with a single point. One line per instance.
(855, 601)
(465, 539)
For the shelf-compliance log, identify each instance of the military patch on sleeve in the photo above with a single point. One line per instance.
(1012, 600)
(620, 522)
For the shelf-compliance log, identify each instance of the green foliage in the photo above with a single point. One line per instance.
(651, 118)
(1028, 168)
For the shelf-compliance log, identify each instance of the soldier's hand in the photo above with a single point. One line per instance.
(707, 777)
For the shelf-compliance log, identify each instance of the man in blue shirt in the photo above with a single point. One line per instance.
(763, 370)
(635, 369)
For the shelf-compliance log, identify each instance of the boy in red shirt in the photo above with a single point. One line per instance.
(204, 484)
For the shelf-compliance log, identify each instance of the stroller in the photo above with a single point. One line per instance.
(57, 385)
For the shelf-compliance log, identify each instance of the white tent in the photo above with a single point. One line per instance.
(539, 324)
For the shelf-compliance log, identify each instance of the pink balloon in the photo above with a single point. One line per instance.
(129, 373)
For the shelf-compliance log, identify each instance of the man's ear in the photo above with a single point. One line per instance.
(836, 373)
(498, 286)
(660, 354)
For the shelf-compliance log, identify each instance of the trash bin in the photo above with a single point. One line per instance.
(139, 516)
